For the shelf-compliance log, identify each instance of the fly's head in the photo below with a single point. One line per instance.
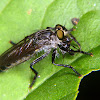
(63, 35)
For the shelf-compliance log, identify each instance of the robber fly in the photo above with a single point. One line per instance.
(43, 40)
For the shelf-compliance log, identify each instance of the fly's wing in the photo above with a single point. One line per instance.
(18, 53)
(24, 49)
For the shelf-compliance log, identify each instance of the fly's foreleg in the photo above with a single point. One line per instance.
(79, 51)
(53, 61)
(74, 22)
(33, 63)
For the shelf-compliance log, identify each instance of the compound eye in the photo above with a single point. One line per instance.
(60, 34)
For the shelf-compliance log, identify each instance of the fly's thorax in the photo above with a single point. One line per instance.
(47, 44)
(55, 41)
(46, 39)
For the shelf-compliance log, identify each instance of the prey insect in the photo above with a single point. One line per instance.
(43, 40)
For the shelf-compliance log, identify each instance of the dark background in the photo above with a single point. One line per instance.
(90, 87)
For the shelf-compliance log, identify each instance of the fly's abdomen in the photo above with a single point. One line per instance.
(15, 55)
(9, 62)
(4, 65)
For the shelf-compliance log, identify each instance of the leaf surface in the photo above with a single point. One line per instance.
(19, 19)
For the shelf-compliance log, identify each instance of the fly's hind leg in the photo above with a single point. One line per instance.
(11, 42)
(68, 66)
(33, 63)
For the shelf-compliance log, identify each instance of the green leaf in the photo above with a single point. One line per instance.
(19, 19)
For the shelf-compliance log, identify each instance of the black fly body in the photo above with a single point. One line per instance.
(43, 40)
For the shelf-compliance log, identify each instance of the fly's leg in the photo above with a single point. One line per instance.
(71, 51)
(79, 51)
(73, 38)
(27, 37)
(33, 63)
(11, 42)
(74, 22)
(48, 27)
(36, 73)
(68, 66)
